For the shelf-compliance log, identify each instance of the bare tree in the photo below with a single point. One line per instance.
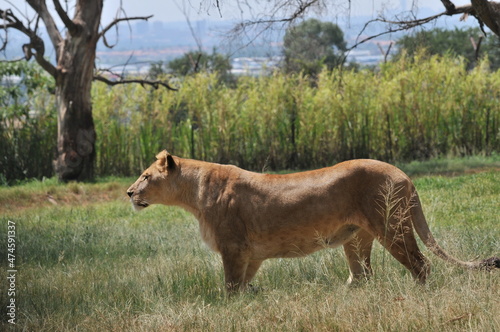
(73, 73)
(486, 12)
(287, 11)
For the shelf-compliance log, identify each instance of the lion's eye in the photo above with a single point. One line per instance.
(145, 177)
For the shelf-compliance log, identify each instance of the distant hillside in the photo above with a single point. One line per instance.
(143, 41)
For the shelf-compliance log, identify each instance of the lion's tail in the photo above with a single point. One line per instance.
(422, 228)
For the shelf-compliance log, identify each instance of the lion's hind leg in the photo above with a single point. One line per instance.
(390, 222)
(358, 251)
(398, 238)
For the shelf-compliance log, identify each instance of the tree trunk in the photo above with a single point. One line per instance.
(73, 74)
(75, 66)
(489, 13)
(75, 131)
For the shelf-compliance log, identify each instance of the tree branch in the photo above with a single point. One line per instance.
(73, 28)
(10, 20)
(298, 13)
(36, 43)
(115, 22)
(188, 21)
(476, 46)
(3, 14)
(40, 7)
(280, 12)
(154, 84)
(450, 7)
(409, 24)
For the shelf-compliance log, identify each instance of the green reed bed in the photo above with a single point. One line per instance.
(411, 109)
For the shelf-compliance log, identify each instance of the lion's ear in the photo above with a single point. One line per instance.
(161, 159)
(170, 162)
(165, 160)
(162, 156)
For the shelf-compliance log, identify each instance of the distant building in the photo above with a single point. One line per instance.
(364, 58)
(10, 80)
(257, 66)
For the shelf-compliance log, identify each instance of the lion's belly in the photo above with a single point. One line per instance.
(265, 251)
(299, 242)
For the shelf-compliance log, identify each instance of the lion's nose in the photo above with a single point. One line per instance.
(130, 193)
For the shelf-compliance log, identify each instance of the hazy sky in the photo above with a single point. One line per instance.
(171, 10)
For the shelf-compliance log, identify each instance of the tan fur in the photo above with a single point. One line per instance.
(249, 217)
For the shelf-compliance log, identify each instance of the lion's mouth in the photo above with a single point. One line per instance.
(139, 205)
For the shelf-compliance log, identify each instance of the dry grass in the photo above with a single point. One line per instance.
(41, 194)
(102, 267)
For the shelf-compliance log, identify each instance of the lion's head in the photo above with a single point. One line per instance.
(150, 186)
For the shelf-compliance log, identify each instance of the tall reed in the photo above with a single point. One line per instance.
(414, 108)
(27, 122)
(411, 109)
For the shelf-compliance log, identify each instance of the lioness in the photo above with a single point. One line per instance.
(249, 217)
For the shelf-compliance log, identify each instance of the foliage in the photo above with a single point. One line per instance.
(156, 70)
(491, 49)
(196, 62)
(457, 42)
(27, 122)
(412, 109)
(311, 45)
(99, 266)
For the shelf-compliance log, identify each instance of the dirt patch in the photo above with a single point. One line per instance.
(72, 194)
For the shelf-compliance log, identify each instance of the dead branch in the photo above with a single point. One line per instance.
(466, 315)
(466, 9)
(385, 54)
(450, 7)
(195, 64)
(4, 41)
(476, 46)
(40, 7)
(396, 26)
(115, 22)
(486, 12)
(250, 30)
(388, 31)
(36, 43)
(73, 28)
(191, 29)
(154, 84)
(299, 12)
(9, 19)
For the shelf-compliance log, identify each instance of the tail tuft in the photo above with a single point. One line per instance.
(490, 263)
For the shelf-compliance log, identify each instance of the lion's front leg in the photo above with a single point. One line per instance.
(252, 268)
(235, 265)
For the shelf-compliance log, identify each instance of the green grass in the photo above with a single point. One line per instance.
(452, 165)
(99, 266)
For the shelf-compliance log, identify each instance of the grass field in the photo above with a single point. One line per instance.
(87, 262)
